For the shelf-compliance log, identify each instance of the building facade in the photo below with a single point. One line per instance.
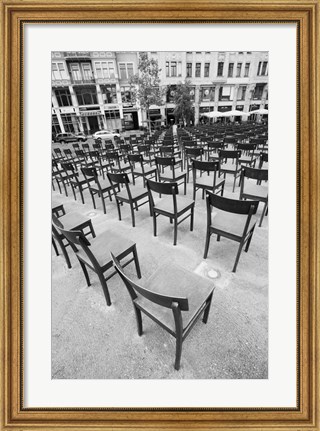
(91, 90)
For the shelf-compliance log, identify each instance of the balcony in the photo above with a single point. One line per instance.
(82, 81)
(77, 54)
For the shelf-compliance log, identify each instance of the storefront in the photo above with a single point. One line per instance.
(91, 120)
(130, 119)
(112, 117)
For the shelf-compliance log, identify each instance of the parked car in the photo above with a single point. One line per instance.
(63, 138)
(106, 134)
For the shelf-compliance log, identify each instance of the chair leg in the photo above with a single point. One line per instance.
(191, 219)
(207, 310)
(73, 191)
(65, 253)
(185, 185)
(194, 193)
(85, 271)
(55, 247)
(104, 288)
(248, 242)
(206, 247)
(234, 184)
(154, 224)
(132, 215)
(119, 209)
(139, 320)
(103, 204)
(81, 194)
(178, 351)
(93, 201)
(136, 261)
(238, 256)
(263, 213)
(175, 230)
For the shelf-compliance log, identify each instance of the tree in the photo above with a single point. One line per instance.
(145, 85)
(183, 102)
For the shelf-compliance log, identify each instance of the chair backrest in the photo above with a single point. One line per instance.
(135, 158)
(194, 152)
(118, 178)
(133, 288)
(97, 145)
(85, 147)
(246, 147)
(68, 153)
(229, 154)
(76, 239)
(165, 161)
(80, 153)
(57, 151)
(254, 173)
(67, 166)
(200, 165)
(163, 188)
(231, 205)
(215, 145)
(91, 174)
(76, 146)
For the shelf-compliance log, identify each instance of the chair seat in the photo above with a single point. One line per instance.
(166, 204)
(254, 189)
(207, 181)
(168, 174)
(229, 166)
(173, 280)
(147, 170)
(137, 192)
(105, 185)
(101, 247)
(230, 222)
(72, 221)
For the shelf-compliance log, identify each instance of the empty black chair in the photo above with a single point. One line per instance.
(230, 164)
(131, 195)
(232, 219)
(97, 187)
(166, 167)
(139, 168)
(172, 206)
(95, 254)
(206, 181)
(173, 298)
(253, 186)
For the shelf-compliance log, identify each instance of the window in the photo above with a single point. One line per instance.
(198, 70)
(63, 97)
(75, 72)
(239, 66)
(206, 70)
(242, 92)
(173, 68)
(87, 72)
(189, 70)
(230, 70)
(246, 70)
(86, 96)
(220, 68)
(257, 94)
(69, 122)
(104, 69)
(126, 95)
(167, 68)
(109, 93)
(59, 72)
(225, 93)
(126, 70)
(207, 94)
(262, 68)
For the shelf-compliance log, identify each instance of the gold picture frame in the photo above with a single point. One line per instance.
(13, 414)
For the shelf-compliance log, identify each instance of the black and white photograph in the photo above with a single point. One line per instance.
(159, 215)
